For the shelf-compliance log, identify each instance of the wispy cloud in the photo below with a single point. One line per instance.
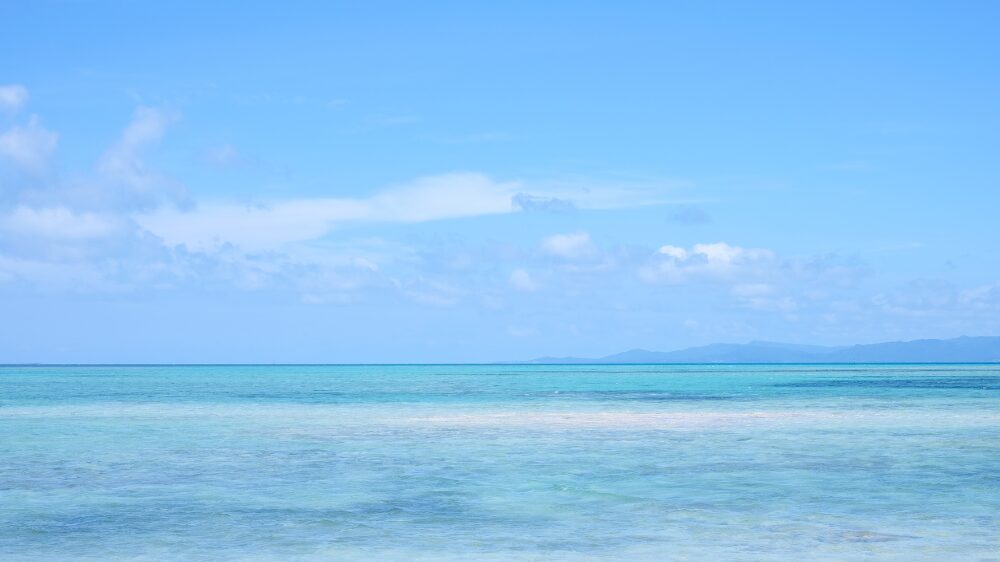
(522, 280)
(673, 264)
(57, 223)
(527, 202)
(572, 246)
(125, 225)
(29, 146)
(440, 197)
(13, 97)
(122, 163)
(271, 225)
(119, 228)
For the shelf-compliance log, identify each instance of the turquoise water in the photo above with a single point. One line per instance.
(642, 462)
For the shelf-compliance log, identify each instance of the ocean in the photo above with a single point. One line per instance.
(500, 462)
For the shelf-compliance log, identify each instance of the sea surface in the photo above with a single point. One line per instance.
(500, 462)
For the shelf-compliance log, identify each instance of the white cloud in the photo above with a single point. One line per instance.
(673, 264)
(329, 283)
(121, 181)
(576, 245)
(721, 254)
(29, 146)
(58, 223)
(439, 197)
(674, 252)
(106, 229)
(984, 297)
(522, 281)
(13, 97)
(267, 226)
(122, 163)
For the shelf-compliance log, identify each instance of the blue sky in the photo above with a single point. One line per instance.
(387, 182)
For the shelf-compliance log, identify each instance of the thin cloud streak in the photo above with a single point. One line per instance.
(440, 197)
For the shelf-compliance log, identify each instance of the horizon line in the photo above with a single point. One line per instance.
(496, 364)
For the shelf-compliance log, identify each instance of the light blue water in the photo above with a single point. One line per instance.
(500, 463)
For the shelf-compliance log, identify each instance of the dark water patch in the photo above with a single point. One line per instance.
(868, 537)
(629, 395)
(932, 383)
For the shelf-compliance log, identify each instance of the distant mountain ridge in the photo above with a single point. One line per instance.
(965, 349)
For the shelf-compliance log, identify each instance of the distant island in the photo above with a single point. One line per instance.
(957, 350)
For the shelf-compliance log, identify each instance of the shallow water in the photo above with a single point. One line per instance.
(578, 462)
